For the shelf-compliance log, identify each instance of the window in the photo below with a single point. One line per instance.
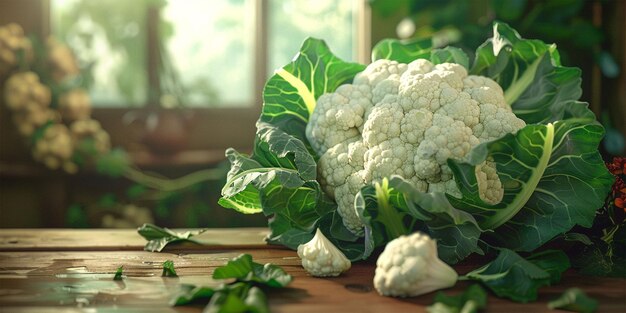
(144, 54)
(207, 54)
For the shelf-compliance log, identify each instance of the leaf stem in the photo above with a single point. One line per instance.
(388, 215)
(165, 184)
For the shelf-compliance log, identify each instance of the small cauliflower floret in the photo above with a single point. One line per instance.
(75, 105)
(409, 266)
(419, 66)
(12, 44)
(482, 82)
(496, 122)
(29, 100)
(489, 185)
(448, 186)
(338, 163)
(340, 114)
(461, 107)
(383, 123)
(446, 139)
(91, 130)
(55, 148)
(378, 71)
(344, 195)
(321, 258)
(384, 88)
(408, 120)
(414, 124)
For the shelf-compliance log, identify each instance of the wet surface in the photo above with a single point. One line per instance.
(359, 288)
(82, 281)
(69, 282)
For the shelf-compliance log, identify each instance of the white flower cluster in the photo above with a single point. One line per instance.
(29, 100)
(55, 148)
(57, 135)
(61, 60)
(12, 44)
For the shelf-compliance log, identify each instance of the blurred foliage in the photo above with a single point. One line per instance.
(124, 25)
(466, 23)
(113, 164)
(76, 217)
(194, 205)
(613, 142)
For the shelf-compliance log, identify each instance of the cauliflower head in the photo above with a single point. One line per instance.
(407, 120)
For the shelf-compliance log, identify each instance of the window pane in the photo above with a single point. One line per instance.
(108, 38)
(211, 46)
(292, 21)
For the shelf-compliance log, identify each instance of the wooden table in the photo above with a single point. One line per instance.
(72, 270)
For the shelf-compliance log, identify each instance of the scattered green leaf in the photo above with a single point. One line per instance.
(244, 269)
(511, 276)
(119, 273)
(574, 299)
(555, 262)
(192, 294)
(242, 295)
(238, 298)
(168, 269)
(159, 237)
(470, 301)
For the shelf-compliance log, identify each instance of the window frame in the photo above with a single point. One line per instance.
(210, 124)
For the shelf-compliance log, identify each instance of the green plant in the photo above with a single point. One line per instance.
(551, 172)
(244, 294)
(462, 22)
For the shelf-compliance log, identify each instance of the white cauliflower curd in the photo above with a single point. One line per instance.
(407, 120)
(409, 266)
(321, 258)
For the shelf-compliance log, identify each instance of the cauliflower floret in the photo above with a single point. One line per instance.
(30, 102)
(75, 105)
(379, 71)
(341, 115)
(409, 266)
(496, 122)
(383, 123)
(91, 130)
(55, 148)
(12, 43)
(321, 258)
(407, 119)
(448, 186)
(491, 188)
(338, 163)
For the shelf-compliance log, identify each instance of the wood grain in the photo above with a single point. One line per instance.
(47, 280)
(121, 239)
